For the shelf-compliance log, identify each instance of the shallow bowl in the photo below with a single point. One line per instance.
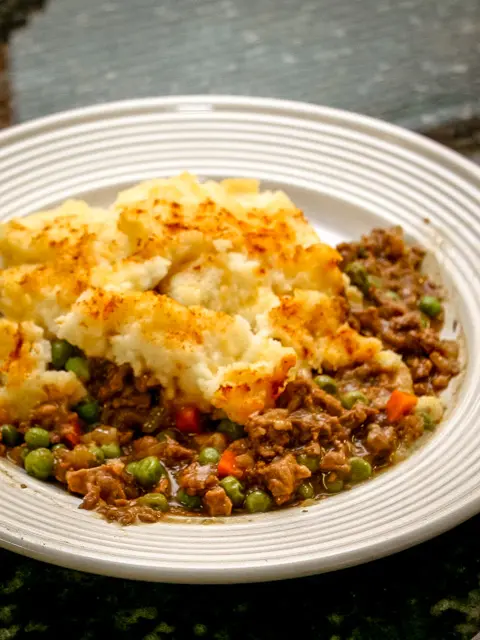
(349, 173)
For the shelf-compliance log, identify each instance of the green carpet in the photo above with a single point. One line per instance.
(429, 592)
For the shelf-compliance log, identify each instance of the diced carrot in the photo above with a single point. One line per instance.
(71, 433)
(187, 420)
(400, 404)
(227, 465)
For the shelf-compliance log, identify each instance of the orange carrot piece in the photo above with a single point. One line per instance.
(71, 432)
(187, 420)
(227, 465)
(400, 404)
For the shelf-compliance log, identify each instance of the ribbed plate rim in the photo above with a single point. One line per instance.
(271, 568)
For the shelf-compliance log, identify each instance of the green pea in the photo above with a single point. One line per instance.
(393, 295)
(306, 490)
(326, 383)
(333, 486)
(428, 422)
(39, 463)
(358, 276)
(156, 501)
(131, 467)
(231, 429)
(166, 433)
(61, 352)
(234, 490)
(209, 455)
(37, 438)
(430, 306)
(360, 469)
(147, 472)
(351, 398)
(258, 501)
(10, 435)
(98, 453)
(79, 366)
(111, 450)
(88, 410)
(190, 502)
(311, 462)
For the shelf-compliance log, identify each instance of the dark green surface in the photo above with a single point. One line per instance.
(429, 592)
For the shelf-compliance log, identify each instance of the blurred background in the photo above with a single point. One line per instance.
(412, 62)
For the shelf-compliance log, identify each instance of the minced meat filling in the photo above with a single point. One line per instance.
(134, 456)
(401, 306)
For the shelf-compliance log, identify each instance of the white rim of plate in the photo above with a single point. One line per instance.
(376, 166)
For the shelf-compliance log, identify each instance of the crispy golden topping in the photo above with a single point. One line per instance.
(25, 380)
(218, 290)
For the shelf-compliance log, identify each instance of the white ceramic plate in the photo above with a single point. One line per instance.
(349, 173)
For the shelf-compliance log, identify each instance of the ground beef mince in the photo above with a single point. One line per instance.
(283, 477)
(217, 503)
(135, 456)
(401, 306)
(100, 483)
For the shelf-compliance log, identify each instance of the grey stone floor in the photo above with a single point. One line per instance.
(414, 62)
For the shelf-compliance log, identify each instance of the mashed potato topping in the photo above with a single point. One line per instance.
(217, 290)
(202, 355)
(25, 380)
